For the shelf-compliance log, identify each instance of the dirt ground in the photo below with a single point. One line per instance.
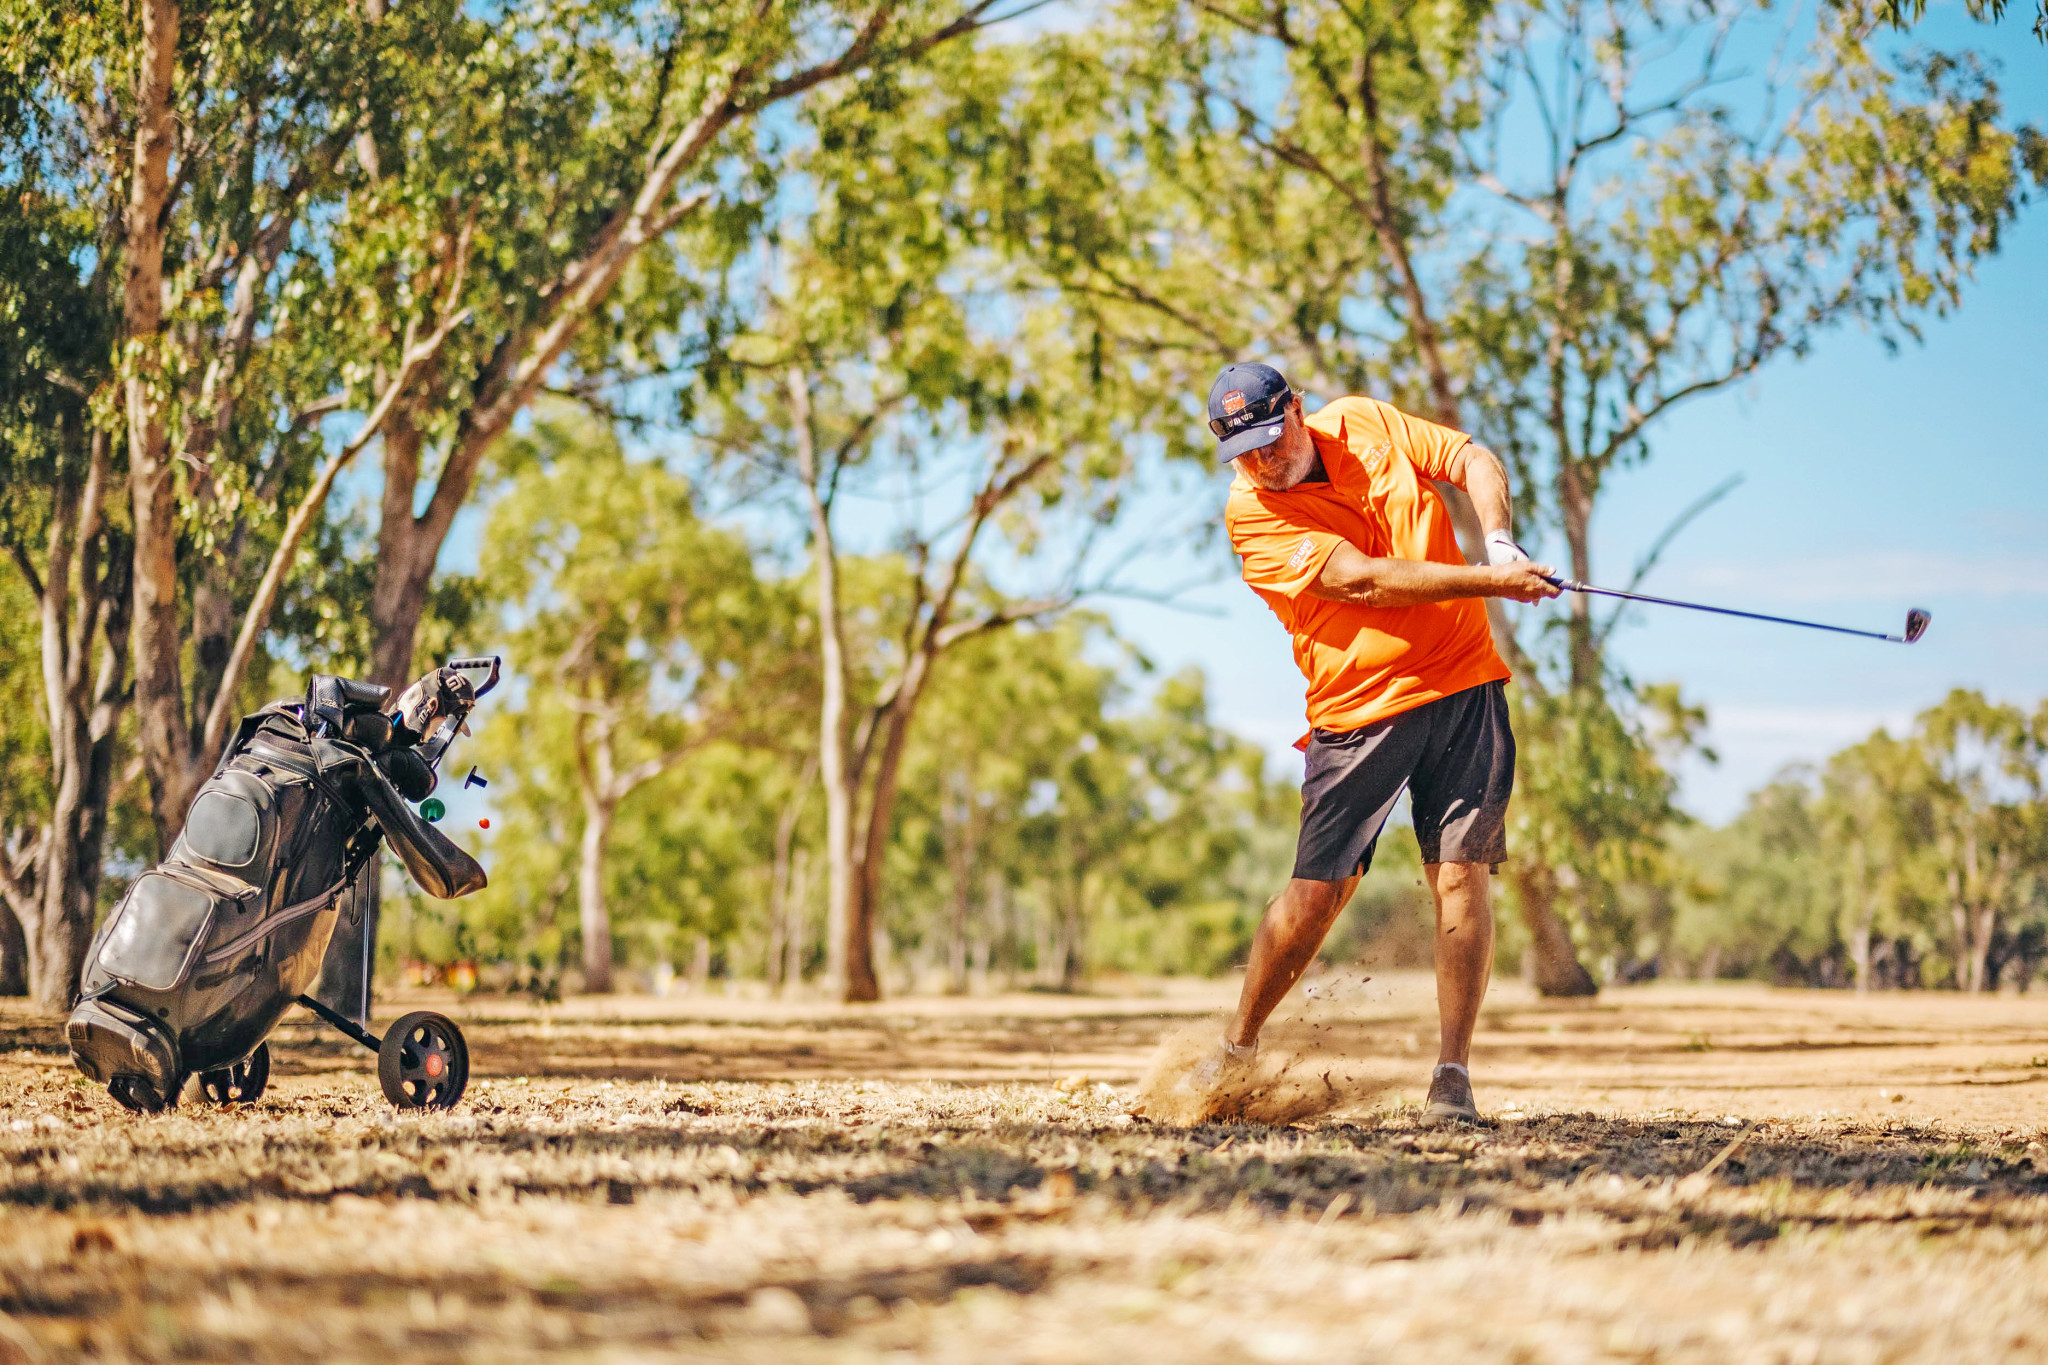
(1673, 1173)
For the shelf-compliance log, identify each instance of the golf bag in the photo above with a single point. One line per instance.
(208, 949)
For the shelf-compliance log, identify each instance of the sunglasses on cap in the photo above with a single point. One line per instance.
(1251, 414)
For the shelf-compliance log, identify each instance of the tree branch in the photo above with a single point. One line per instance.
(257, 619)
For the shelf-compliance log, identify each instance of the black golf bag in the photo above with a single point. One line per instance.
(208, 949)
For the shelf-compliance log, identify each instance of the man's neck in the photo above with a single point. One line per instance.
(1316, 472)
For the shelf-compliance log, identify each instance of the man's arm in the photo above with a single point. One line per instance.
(1350, 575)
(1481, 474)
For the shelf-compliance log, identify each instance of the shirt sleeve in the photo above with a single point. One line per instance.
(1281, 554)
(1430, 448)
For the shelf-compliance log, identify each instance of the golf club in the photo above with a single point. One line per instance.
(1916, 619)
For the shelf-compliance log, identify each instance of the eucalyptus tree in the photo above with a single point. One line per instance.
(67, 545)
(299, 231)
(1550, 223)
(1989, 822)
(488, 178)
(970, 768)
(644, 626)
(902, 349)
(1873, 814)
(1042, 806)
(1905, 13)
(1759, 895)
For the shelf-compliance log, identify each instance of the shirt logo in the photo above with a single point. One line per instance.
(1301, 553)
(1233, 402)
(1377, 454)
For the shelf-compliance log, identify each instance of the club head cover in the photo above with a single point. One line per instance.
(439, 695)
(371, 729)
(409, 773)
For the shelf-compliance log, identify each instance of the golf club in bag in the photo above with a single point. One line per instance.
(208, 949)
(1916, 618)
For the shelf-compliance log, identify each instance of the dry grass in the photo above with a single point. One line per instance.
(1674, 1175)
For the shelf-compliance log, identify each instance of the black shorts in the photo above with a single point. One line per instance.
(1456, 756)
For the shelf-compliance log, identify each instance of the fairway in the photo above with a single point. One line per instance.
(1677, 1173)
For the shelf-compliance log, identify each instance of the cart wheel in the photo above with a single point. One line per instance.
(423, 1062)
(241, 1083)
(137, 1094)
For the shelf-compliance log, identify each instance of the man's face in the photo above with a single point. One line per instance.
(1285, 463)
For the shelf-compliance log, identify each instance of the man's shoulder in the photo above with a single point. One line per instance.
(1331, 417)
(1242, 502)
(1250, 511)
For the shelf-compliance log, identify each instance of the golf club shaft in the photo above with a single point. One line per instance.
(1572, 585)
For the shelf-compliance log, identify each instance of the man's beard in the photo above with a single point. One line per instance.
(1278, 478)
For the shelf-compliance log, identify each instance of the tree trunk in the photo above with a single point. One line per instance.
(1042, 945)
(1983, 930)
(13, 954)
(956, 936)
(1575, 510)
(849, 915)
(782, 872)
(1073, 957)
(957, 826)
(1557, 973)
(1000, 913)
(873, 849)
(700, 965)
(61, 929)
(592, 913)
(82, 613)
(1558, 964)
(405, 561)
(778, 930)
(1960, 879)
(158, 643)
(793, 938)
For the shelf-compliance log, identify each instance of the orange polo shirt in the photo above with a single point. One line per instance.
(1364, 664)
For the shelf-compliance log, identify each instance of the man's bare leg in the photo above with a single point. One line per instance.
(1294, 927)
(1464, 953)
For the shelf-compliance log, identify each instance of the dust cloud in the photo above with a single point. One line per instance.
(1293, 1078)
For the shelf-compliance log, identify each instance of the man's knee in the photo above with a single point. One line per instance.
(1461, 893)
(1316, 900)
(1459, 878)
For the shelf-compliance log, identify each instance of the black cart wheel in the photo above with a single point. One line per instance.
(423, 1063)
(241, 1083)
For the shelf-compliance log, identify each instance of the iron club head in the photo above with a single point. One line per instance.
(1916, 623)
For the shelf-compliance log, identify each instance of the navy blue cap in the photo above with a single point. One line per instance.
(1247, 408)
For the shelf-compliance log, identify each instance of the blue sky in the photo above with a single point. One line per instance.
(1871, 483)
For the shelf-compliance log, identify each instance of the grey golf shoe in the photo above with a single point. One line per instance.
(1450, 1097)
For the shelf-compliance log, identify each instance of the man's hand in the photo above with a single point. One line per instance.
(1522, 582)
(1501, 549)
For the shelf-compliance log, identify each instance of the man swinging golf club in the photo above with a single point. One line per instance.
(1343, 537)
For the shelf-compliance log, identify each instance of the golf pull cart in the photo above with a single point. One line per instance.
(209, 948)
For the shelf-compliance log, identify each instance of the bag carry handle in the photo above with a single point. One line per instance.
(492, 662)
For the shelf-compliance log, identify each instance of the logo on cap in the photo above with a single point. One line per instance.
(1232, 402)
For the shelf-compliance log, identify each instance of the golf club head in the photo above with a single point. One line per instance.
(1916, 623)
